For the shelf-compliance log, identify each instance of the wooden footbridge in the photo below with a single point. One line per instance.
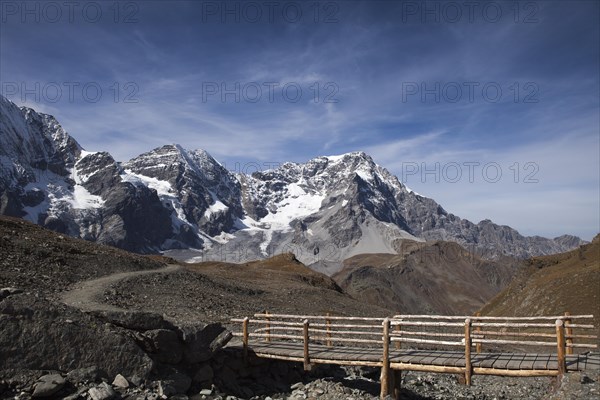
(514, 346)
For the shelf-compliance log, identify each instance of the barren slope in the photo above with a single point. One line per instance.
(32, 257)
(551, 285)
(216, 291)
(438, 277)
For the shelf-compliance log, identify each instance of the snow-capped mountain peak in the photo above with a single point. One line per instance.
(324, 210)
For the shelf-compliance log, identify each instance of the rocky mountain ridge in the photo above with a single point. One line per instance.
(185, 202)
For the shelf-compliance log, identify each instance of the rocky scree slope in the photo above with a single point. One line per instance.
(324, 211)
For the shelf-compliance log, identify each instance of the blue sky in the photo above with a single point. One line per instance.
(491, 109)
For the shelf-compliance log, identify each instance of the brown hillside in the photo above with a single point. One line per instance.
(218, 291)
(551, 285)
(433, 278)
(32, 257)
(283, 268)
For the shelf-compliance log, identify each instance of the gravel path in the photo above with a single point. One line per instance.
(87, 295)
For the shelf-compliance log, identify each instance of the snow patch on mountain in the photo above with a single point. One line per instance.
(297, 204)
(215, 208)
(163, 188)
(81, 198)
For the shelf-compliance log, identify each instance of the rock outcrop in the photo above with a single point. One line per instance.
(38, 335)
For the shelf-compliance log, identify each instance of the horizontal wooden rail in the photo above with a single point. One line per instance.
(347, 326)
(423, 323)
(267, 322)
(428, 334)
(278, 328)
(309, 317)
(427, 341)
(359, 333)
(477, 318)
(323, 338)
(512, 325)
(582, 326)
(517, 342)
(276, 336)
(350, 333)
(582, 345)
(520, 334)
(581, 336)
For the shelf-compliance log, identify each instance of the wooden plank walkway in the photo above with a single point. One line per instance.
(404, 359)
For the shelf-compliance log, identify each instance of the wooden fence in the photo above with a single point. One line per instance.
(389, 338)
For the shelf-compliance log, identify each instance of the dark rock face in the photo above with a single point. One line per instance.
(47, 178)
(80, 375)
(135, 219)
(32, 141)
(101, 171)
(165, 346)
(38, 335)
(11, 204)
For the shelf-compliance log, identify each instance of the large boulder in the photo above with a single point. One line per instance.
(47, 385)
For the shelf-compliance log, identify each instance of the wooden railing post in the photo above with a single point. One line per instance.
(306, 355)
(385, 361)
(267, 327)
(245, 336)
(328, 322)
(560, 347)
(478, 331)
(398, 328)
(468, 369)
(568, 333)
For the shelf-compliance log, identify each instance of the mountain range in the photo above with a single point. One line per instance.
(188, 205)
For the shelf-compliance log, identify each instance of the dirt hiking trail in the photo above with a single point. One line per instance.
(87, 295)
